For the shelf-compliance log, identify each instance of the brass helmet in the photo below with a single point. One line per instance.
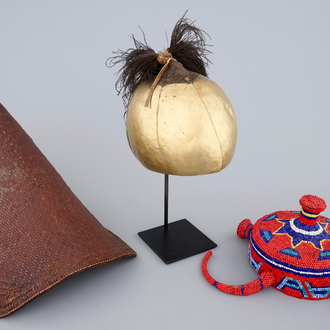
(178, 121)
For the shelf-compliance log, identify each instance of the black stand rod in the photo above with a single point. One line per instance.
(166, 203)
(177, 240)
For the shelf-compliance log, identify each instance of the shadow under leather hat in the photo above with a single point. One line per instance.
(46, 233)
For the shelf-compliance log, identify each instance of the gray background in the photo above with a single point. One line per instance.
(272, 60)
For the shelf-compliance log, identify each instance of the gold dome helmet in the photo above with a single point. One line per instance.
(178, 121)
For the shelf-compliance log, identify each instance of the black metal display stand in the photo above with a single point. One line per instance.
(177, 240)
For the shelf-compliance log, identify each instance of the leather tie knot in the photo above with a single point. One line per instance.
(163, 57)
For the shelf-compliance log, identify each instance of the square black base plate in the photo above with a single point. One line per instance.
(180, 240)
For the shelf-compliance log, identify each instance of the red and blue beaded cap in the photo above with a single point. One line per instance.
(290, 250)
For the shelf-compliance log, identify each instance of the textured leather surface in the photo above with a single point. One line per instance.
(46, 233)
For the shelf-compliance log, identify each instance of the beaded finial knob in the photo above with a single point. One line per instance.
(311, 207)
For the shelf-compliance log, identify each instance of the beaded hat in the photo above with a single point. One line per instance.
(290, 250)
(46, 234)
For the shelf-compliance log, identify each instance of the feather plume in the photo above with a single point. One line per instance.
(188, 46)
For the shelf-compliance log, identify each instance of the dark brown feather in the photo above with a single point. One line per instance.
(139, 64)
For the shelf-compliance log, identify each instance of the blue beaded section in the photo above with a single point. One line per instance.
(315, 292)
(324, 255)
(266, 235)
(271, 217)
(318, 292)
(253, 263)
(290, 252)
(299, 232)
(247, 228)
(292, 283)
(309, 215)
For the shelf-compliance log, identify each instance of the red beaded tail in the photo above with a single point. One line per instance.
(267, 278)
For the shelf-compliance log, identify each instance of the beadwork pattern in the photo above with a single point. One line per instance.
(290, 250)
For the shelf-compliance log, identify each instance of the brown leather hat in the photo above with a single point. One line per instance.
(46, 234)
